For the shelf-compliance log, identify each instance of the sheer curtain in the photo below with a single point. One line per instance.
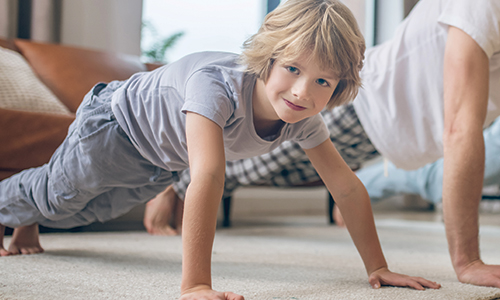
(109, 25)
(37, 20)
(8, 18)
(46, 20)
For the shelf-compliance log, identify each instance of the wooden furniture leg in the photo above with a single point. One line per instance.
(226, 205)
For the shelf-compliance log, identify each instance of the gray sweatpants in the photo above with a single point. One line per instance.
(95, 175)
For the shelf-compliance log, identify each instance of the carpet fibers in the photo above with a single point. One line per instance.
(289, 258)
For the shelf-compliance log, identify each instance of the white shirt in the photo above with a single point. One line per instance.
(401, 104)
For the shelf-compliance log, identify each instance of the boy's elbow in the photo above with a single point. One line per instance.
(356, 190)
(209, 179)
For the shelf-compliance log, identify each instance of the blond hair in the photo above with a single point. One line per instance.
(324, 28)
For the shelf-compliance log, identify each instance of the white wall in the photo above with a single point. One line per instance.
(389, 14)
(358, 10)
(8, 26)
(111, 25)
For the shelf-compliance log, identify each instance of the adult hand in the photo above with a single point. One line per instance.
(209, 294)
(478, 273)
(383, 276)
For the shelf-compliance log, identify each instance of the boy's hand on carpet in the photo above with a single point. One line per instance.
(478, 273)
(383, 276)
(208, 294)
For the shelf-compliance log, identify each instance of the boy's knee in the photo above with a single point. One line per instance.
(60, 204)
(57, 211)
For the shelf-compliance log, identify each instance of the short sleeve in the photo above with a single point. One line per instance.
(207, 94)
(313, 133)
(479, 19)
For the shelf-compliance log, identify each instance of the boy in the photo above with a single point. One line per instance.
(131, 138)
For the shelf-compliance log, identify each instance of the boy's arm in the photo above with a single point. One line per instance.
(466, 78)
(352, 199)
(207, 163)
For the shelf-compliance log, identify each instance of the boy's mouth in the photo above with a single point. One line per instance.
(293, 106)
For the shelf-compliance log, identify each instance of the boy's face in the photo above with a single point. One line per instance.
(299, 89)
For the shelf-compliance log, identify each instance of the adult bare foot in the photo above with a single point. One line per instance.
(337, 217)
(3, 252)
(25, 240)
(163, 214)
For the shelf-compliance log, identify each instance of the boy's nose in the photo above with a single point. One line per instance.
(300, 90)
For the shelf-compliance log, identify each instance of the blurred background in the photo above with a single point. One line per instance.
(165, 30)
(180, 27)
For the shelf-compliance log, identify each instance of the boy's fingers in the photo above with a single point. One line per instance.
(233, 296)
(414, 284)
(428, 283)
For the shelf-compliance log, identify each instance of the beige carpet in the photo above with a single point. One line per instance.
(281, 258)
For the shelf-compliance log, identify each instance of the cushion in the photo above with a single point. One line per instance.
(71, 72)
(20, 89)
(29, 139)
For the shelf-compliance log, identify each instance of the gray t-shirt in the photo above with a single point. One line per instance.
(151, 107)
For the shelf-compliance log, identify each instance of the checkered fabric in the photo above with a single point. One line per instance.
(288, 165)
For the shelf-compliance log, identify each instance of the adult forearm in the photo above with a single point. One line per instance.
(462, 186)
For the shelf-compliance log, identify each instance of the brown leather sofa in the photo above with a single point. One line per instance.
(28, 139)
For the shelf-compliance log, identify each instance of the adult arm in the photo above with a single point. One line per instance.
(466, 76)
(354, 203)
(207, 163)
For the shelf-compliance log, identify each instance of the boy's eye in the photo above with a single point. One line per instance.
(292, 69)
(322, 82)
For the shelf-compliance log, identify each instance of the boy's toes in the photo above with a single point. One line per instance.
(25, 250)
(4, 252)
(32, 250)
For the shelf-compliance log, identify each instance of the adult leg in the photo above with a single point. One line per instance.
(492, 148)
(428, 180)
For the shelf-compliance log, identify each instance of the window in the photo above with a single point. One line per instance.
(221, 25)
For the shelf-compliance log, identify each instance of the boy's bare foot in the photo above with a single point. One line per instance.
(163, 214)
(3, 252)
(337, 217)
(25, 241)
